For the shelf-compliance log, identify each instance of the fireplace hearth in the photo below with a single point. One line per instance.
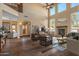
(61, 30)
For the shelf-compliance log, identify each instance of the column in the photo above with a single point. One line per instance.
(56, 18)
(69, 17)
(48, 17)
(20, 20)
(0, 23)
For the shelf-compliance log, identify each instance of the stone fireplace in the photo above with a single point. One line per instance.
(61, 30)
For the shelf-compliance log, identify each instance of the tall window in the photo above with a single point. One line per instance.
(52, 11)
(75, 21)
(52, 24)
(61, 7)
(74, 4)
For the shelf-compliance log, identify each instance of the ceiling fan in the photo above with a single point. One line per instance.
(48, 5)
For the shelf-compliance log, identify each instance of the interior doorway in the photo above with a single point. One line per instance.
(25, 28)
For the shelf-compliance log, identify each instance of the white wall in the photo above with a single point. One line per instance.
(36, 13)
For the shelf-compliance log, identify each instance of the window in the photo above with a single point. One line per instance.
(75, 21)
(52, 11)
(52, 24)
(74, 4)
(61, 7)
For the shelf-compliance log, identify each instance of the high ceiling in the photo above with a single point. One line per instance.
(36, 9)
(16, 6)
(35, 12)
(19, 6)
(39, 9)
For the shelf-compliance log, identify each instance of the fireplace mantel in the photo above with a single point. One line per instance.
(61, 28)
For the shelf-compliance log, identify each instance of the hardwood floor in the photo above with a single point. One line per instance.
(26, 47)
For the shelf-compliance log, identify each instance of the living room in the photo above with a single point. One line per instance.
(48, 25)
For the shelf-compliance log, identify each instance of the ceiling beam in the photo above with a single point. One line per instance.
(16, 6)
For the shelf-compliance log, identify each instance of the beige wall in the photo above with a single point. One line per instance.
(36, 13)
